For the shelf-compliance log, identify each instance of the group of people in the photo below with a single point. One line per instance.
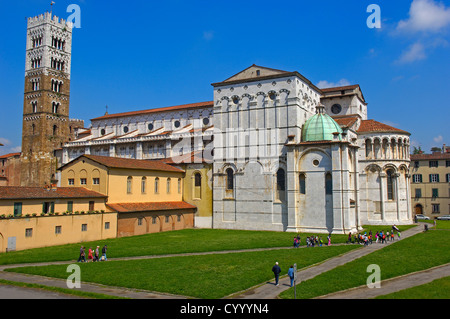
(311, 241)
(93, 255)
(380, 237)
(277, 271)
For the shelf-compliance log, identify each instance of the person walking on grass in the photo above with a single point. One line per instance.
(97, 254)
(104, 253)
(276, 271)
(82, 257)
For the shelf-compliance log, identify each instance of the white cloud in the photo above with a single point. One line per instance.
(208, 35)
(425, 16)
(438, 139)
(415, 52)
(5, 141)
(325, 84)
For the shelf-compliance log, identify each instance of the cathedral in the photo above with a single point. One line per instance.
(277, 152)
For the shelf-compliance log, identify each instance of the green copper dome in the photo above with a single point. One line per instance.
(320, 127)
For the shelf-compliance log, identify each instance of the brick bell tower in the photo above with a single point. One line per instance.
(46, 99)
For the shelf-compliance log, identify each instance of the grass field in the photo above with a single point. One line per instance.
(173, 242)
(422, 251)
(201, 276)
(437, 289)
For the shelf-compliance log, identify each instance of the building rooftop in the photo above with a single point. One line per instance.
(370, 126)
(117, 162)
(145, 207)
(20, 192)
(320, 127)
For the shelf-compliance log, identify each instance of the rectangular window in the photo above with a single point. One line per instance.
(57, 229)
(91, 206)
(96, 181)
(48, 207)
(71, 181)
(434, 178)
(83, 227)
(416, 164)
(83, 181)
(70, 206)
(167, 218)
(179, 218)
(140, 221)
(435, 193)
(29, 232)
(417, 178)
(179, 185)
(107, 225)
(435, 208)
(433, 163)
(447, 163)
(17, 209)
(447, 178)
(153, 220)
(418, 192)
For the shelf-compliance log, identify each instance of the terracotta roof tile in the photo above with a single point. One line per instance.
(346, 121)
(438, 156)
(146, 207)
(19, 192)
(117, 162)
(157, 110)
(368, 126)
(9, 155)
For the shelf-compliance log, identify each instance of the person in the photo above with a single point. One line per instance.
(82, 257)
(320, 241)
(97, 254)
(104, 253)
(349, 239)
(296, 243)
(329, 240)
(90, 255)
(276, 271)
(399, 235)
(291, 275)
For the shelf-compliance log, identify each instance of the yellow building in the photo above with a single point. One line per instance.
(430, 178)
(148, 195)
(33, 217)
(197, 186)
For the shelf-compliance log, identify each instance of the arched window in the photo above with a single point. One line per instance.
(129, 184)
(197, 185)
(144, 185)
(281, 180)
(168, 186)
(157, 185)
(328, 184)
(230, 179)
(55, 130)
(302, 183)
(368, 148)
(390, 184)
(281, 184)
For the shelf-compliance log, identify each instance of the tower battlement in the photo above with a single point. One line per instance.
(47, 17)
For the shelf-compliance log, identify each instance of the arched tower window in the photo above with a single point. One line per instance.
(328, 184)
(157, 185)
(281, 184)
(129, 184)
(197, 185)
(390, 184)
(302, 183)
(230, 179)
(144, 185)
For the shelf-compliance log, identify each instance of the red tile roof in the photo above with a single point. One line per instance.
(116, 162)
(147, 207)
(347, 121)
(9, 155)
(341, 88)
(369, 126)
(437, 156)
(19, 192)
(162, 109)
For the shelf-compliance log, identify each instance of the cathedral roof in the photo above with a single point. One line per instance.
(371, 126)
(320, 127)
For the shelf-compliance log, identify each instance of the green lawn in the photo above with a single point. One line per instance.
(422, 251)
(172, 242)
(437, 289)
(200, 276)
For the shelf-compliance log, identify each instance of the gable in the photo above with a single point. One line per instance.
(255, 71)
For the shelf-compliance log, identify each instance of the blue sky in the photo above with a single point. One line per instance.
(133, 55)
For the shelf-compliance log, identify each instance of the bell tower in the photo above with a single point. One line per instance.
(46, 98)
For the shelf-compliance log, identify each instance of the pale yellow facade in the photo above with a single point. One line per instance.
(430, 184)
(124, 185)
(28, 231)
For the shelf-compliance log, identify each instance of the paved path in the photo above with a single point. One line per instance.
(393, 285)
(269, 291)
(265, 291)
